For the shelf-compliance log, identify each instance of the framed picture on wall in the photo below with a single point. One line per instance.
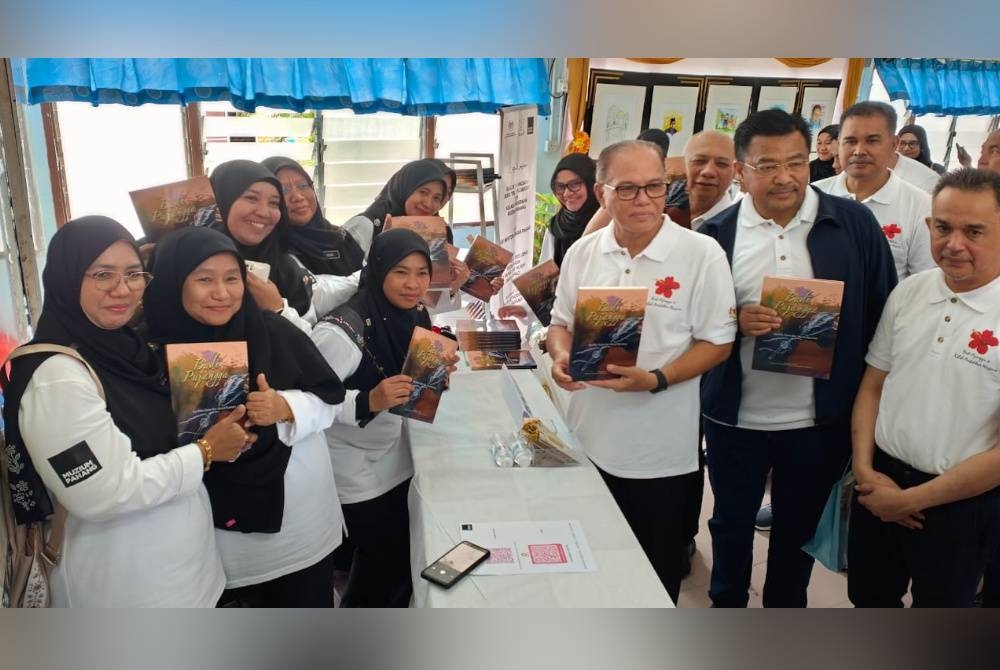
(673, 110)
(617, 115)
(817, 106)
(726, 107)
(777, 97)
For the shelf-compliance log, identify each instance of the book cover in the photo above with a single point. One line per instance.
(538, 288)
(488, 335)
(810, 315)
(175, 205)
(426, 363)
(206, 379)
(494, 360)
(434, 230)
(486, 261)
(607, 327)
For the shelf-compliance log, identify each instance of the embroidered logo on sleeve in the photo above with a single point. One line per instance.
(891, 230)
(76, 464)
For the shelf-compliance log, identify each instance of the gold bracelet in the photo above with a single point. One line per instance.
(206, 450)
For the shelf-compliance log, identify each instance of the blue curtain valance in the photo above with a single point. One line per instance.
(945, 87)
(411, 86)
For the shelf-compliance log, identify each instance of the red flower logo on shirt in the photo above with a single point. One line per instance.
(666, 286)
(981, 341)
(891, 230)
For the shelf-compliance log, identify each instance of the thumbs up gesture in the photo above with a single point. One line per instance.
(265, 406)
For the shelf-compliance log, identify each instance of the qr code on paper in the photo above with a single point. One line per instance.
(547, 553)
(501, 555)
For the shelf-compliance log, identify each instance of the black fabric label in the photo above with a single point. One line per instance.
(76, 464)
(332, 254)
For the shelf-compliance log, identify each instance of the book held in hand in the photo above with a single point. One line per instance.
(486, 261)
(538, 288)
(175, 205)
(434, 230)
(427, 363)
(207, 379)
(607, 327)
(810, 315)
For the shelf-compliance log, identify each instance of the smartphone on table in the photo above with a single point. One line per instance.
(458, 562)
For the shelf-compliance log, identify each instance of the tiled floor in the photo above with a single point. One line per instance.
(826, 589)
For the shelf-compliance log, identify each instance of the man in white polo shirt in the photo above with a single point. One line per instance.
(867, 146)
(641, 429)
(708, 161)
(926, 425)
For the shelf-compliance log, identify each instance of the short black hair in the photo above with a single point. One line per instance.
(657, 137)
(833, 130)
(768, 123)
(872, 108)
(972, 180)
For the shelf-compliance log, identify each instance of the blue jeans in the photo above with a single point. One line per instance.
(804, 464)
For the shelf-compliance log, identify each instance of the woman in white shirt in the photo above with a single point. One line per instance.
(275, 509)
(139, 528)
(255, 217)
(365, 341)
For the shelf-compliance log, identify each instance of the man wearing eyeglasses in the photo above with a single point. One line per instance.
(796, 427)
(867, 146)
(641, 429)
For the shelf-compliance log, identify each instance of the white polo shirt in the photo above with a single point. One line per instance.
(725, 201)
(901, 209)
(772, 400)
(690, 297)
(916, 173)
(941, 400)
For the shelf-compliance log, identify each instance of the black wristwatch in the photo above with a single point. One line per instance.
(661, 381)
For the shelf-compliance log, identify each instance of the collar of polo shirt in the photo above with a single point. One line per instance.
(981, 299)
(656, 250)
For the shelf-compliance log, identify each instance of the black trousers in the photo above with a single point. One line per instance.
(695, 494)
(804, 464)
(380, 568)
(654, 511)
(309, 587)
(941, 563)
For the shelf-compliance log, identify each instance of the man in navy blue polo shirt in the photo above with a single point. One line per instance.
(796, 427)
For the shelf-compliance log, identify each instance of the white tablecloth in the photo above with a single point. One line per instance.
(456, 482)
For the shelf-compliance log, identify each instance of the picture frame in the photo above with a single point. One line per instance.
(617, 115)
(675, 108)
(726, 107)
(817, 107)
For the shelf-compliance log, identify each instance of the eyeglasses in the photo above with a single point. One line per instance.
(287, 189)
(915, 144)
(656, 189)
(771, 169)
(108, 280)
(571, 186)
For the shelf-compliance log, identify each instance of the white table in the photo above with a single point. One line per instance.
(456, 482)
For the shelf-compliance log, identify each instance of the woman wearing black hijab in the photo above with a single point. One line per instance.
(573, 185)
(275, 509)
(139, 530)
(419, 188)
(254, 216)
(322, 247)
(365, 341)
(821, 167)
(913, 144)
